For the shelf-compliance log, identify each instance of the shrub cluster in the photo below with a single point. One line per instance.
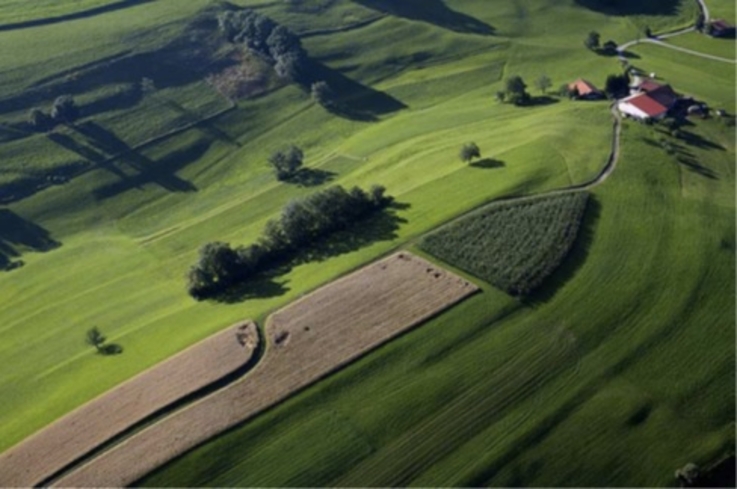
(514, 246)
(63, 111)
(264, 36)
(302, 223)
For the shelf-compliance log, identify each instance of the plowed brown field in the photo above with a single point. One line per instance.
(308, 339)
(60, 444)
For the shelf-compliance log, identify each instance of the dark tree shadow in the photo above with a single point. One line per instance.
(378, 228)
(693, 139)
(86, 153)
(631, 7)
(575, 259)
(122, 4)
(541, 100)
(696, 167)
(262, 287)
(311, 177)
(353, 100)
(122, 99)
(487, 163)
(110, 349)
(629, 55)
(431, 11)
(18, 235)
(161, 172)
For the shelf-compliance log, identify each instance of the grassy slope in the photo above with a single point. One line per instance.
(12, 11)
(127, 255)
(548, 395)
(137, 245)
(512, 402)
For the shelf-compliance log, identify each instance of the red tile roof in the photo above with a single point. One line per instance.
(648, 105)
(649, 86)
(663, 94)
(583, 87)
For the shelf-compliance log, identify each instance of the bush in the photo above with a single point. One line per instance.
(286, 162)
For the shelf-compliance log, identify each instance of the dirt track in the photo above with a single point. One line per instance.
(308, 340)
(55, 447)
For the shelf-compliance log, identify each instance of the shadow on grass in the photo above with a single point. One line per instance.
(693, 139)
(488, 163)
(696, 167)
(123, 4)
(18, 235)
(381, 227)
(311, 177)
(541, 100)
(575, 259)
(434, 12)
(631, 7)
(353, 100)
(629, 55)
(161, 172)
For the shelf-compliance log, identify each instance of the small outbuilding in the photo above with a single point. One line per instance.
(584, 89)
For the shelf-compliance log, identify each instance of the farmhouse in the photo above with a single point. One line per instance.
(721, 28)
(583, 89)
(642, 106)
(648, 100)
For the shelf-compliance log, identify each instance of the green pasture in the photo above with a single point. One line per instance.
(494, 387)
(715, 46)
(14, 11)
(597, 380)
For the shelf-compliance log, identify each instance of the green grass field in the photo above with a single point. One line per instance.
(487, 393)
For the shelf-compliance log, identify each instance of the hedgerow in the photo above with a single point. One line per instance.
(513, 246)
(301, 224)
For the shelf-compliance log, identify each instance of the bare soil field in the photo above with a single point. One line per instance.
(308, 339)
(75, 435)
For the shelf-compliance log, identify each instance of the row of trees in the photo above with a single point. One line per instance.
(302, 223)
(264, 36)
(64, 110)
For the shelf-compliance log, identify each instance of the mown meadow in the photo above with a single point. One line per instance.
(598, 379)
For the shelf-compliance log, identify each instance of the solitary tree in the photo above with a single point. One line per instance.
(323, 94)
(516, 90)
(543, 83)
(95, 339)
(39, 120)
(64, 110)
(469, 151)
(592, 40)
(287, 162)
(616, 85)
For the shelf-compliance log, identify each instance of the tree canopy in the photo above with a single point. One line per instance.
(469, 151)
(286, 162)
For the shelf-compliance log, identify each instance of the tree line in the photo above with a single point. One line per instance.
(302, 223)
